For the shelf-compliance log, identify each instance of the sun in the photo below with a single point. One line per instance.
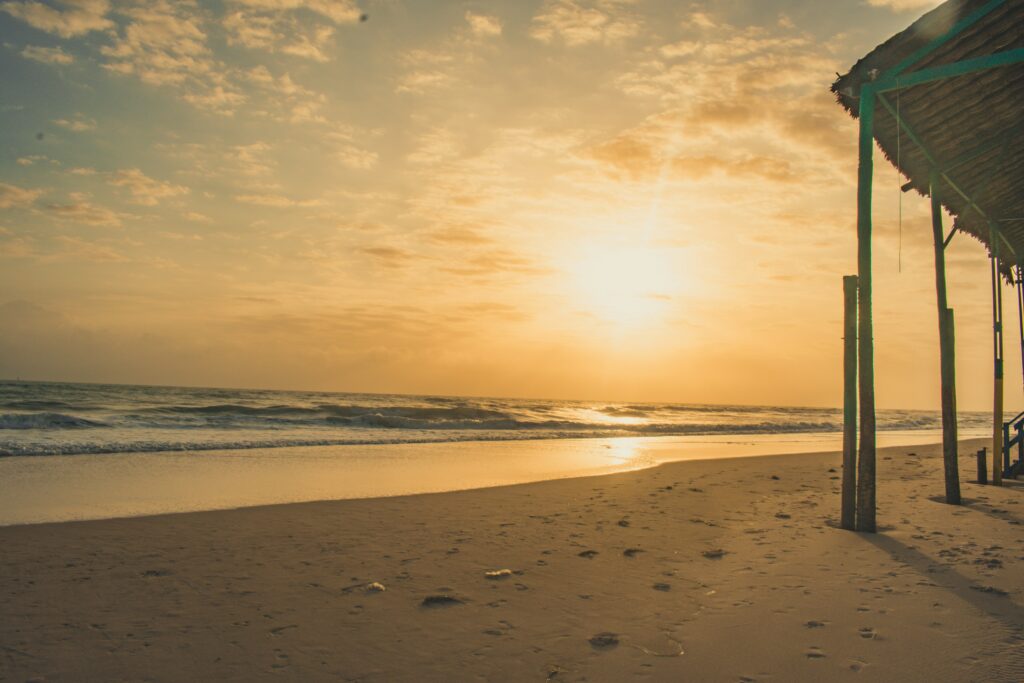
(625, 284)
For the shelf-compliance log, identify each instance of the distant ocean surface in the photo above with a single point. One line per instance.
(47, 418)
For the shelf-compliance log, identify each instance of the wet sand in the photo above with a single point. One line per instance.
(719, 570)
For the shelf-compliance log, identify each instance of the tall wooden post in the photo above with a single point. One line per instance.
(849, 496)
(865, 336)
(950, 457)
(947, 366)
(997, 354)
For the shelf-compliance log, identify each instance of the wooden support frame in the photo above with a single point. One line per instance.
(865, 327)
(870, 93)
(947, 362)
(848, 514)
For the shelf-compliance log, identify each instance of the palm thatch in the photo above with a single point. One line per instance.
(971, 126)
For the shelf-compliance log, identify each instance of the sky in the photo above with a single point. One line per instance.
(607, 199)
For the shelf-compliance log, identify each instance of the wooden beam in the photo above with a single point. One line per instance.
(849, 497)
(947, 364)
(865, 331)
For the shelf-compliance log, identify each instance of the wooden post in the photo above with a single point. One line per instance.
(950, 457)
(849, 496)
(997, 353)
(947, 365)
(865, 332)
(982, 467)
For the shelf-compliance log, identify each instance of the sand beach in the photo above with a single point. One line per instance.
(717, 570)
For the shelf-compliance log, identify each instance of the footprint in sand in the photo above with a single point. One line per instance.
(814, 624)
(604, 641)
(588, 554)
(433, 601)
(814, 652)
(867, 633)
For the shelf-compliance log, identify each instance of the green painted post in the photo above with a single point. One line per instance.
(950, 456)
(997, 354)
(849, 496)
(865, 346)
(947, 365)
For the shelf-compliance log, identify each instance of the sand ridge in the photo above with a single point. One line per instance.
(728, 570)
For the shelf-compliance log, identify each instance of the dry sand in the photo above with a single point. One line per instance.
(698, 571)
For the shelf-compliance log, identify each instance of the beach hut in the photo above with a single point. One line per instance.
(944, 100)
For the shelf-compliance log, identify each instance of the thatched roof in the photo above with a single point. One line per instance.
(971, 125)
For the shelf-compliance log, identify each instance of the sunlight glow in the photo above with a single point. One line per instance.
(628, 285)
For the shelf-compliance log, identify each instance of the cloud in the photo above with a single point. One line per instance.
(338, 11)
(78, 249)
(279, 34)
(294, 103)
(459, 235)
(577, 22)
(145, 190)
(79, 16)
(389, 257)
(79, 123)
(33, 158)
(495, 262)
(277, 201)
(904, 5)
(482, 25)
(14, 197)
(80, 210)
(47, 55)
(164, 44)
(278, 26)
(197, 217)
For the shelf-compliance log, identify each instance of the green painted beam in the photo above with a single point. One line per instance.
(938, 42)
(949, 237)
(936, 164)
(951, 70)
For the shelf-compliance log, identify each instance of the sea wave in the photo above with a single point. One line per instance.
(44, 418)
(45, 421)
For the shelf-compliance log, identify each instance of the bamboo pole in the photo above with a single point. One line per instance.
(997, 354)
(849, 496)
(865, 336)
(947, 366)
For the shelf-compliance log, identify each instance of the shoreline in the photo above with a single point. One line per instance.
(37, 489)
(657, 573)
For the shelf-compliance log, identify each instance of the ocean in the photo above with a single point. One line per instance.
(50, 418)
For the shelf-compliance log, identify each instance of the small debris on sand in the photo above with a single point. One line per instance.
(623, 522)
(815, 624)
(441, 601)
(589, 554)
(496, 574)
(663, 587)
(375, 587)
(716, 554)
(604, 641)
(782, 515)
